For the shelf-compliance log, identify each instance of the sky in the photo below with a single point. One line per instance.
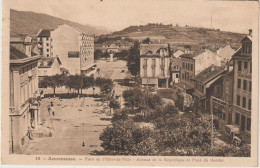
(118, 14)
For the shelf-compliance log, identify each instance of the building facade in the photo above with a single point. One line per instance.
(242, 98)
(49, 66)
(44, 42)
(175, 70)
(24, 108)
(74, 48)
(154, 65)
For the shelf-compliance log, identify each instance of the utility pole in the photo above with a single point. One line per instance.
(211, 111)
(83, 144)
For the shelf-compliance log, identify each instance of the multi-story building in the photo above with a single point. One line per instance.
(74, 47)
(154, 65)
(242, 98)
(44, 42)
(193, 64)
(24, 109)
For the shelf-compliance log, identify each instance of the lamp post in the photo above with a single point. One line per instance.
(93, 90)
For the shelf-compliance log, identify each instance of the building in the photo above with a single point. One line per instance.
(44, 42)
(24, 109)
(226, 53)
(193, 64)
(175, 70)
(49, 66)
(206, 84)
(154, 65)
(222, 104)
(75, 49)
(242, 98)
(113, 46)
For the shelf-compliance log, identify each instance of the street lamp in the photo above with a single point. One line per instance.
(93, 90)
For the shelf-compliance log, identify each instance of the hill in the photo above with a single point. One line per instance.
(23, 22)
(178, 35)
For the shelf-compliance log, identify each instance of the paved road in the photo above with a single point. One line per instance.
(70, 114)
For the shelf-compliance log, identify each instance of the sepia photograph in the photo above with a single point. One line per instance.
(120, 82)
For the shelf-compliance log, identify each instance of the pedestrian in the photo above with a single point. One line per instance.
(52, 109)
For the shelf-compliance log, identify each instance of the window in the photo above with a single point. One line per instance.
(47, 55)
(250, 49)
(250, 86)
(177, 75)
(183, 65)
(191, 67)
(145, 67)
(153, 67)
(47, 44)
(47, 38)
(239, 65)
(182, 76)
(239, 83)
(248, 124)
(244, 102)
(249, 104)
(245, 65)
(250, 67)
(47, 50)
(188, 66)
(237, 119)
(244, 84)
(238, 100)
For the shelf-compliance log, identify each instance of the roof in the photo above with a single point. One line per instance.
(44, 33)
(152, 49)
(187, 56)
(16, 54)
(209, 73)
(238, 52)
(247, 37)
(49, 61)
(177, 53)
(183, 86)
(226, 52)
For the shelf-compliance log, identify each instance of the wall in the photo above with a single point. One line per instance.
(65, 39)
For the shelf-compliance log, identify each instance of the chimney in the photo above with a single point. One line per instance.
(250, 32)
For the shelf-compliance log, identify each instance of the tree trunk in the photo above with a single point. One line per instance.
(81, 91)
(54, 88)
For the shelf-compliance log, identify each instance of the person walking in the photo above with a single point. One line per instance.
(52, 109)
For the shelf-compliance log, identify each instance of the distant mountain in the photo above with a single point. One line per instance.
(178, 35)
(23, 22)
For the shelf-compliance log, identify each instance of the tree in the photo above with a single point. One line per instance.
(113, 104)
(134, 97)
(147, 41)
(105, 55)
(88, 81)
(97, 54)
(133, 59)
(75, 82)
